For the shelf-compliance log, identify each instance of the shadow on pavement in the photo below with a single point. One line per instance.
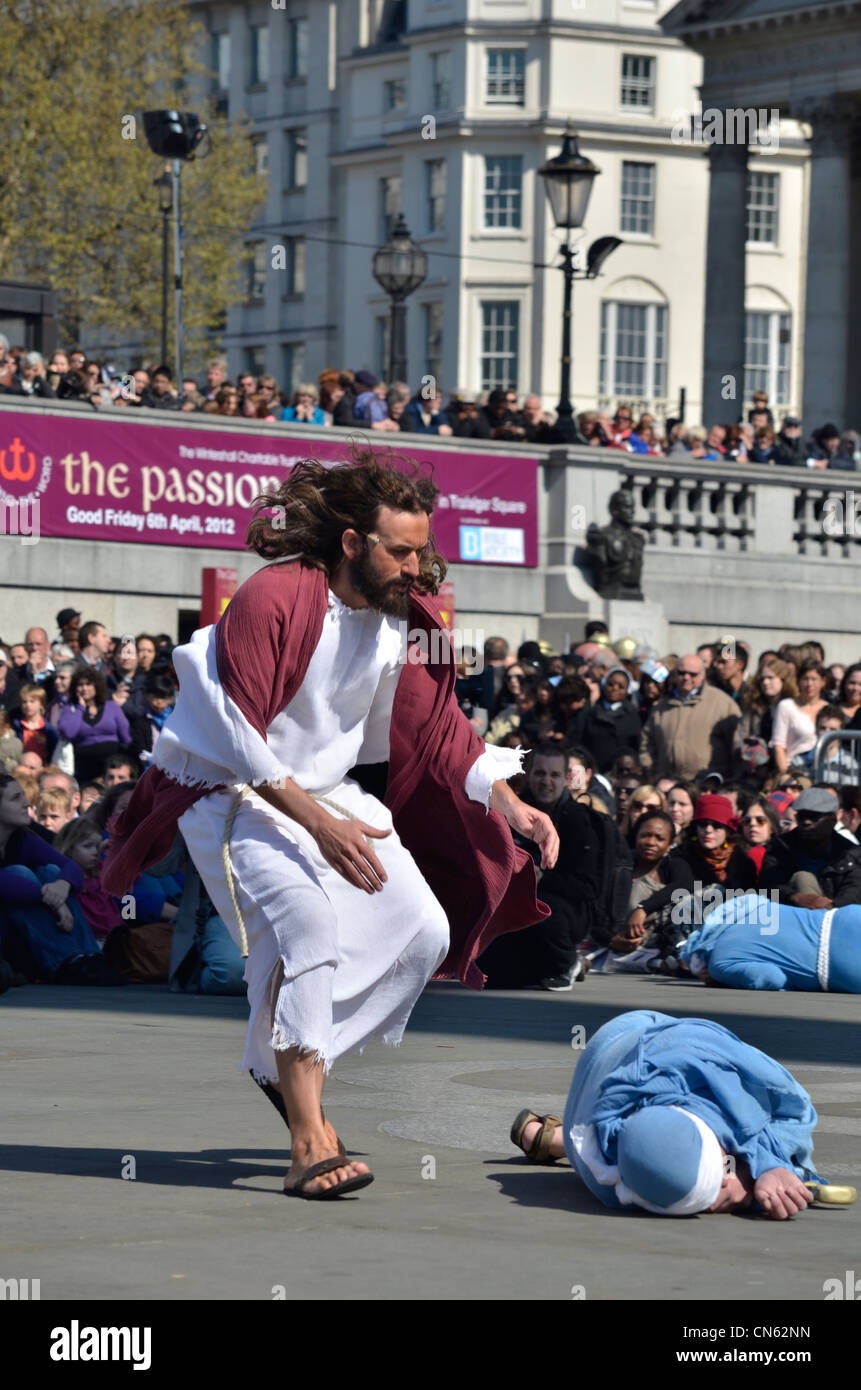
(554, 1188)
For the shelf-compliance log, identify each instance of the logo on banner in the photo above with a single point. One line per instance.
(499, 545)
(18, 464)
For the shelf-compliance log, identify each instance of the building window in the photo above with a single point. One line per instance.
(440, 81)
(297, 158)
(255, 360)
(297, 56)
(638, 198)
(257, 271)
(382, 339)
(296, 267)
(435, 186)
(433, 340)
(292, 368)
(763, 200)
(638, 82)
(261, 154)
(767, 347)
(259, 75)
(502, 191)
(500, 330)
(390, 204)
(506, 68)
(395, 94)
(633, 350)
(221, 61)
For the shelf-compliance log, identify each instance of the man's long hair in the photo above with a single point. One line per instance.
(317, 503)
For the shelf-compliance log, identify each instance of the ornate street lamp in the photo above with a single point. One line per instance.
(399, 267)
(165, 203)
(568, 180)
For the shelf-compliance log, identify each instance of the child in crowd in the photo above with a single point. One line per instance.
(81, 841)
(53, 809)
(34, 732)
(840, 769)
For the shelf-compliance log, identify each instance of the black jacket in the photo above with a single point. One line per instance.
(344, 412)
(609, 732)
(685, 868)
(840, 879)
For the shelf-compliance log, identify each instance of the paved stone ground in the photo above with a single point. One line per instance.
(92, 1078)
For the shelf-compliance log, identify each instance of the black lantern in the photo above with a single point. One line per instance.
(399, 267)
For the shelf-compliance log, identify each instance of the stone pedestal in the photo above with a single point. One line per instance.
(645, 621)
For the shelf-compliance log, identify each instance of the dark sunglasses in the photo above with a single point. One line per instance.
(712, 825)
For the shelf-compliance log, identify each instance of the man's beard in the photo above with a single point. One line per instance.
(388, 597)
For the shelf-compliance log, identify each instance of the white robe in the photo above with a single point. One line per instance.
(352, 965)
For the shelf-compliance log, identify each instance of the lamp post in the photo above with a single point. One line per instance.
(399, 267)
(568, 180)
(164, 184)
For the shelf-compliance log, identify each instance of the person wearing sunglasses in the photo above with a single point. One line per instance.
(760, 824)
(814, 866)
(691, 727)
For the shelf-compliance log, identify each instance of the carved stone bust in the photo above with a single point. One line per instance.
(615, 551)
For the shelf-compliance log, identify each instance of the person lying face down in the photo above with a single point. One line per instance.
(679, 1117)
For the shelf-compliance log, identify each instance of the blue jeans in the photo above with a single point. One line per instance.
(30, 937)
(222, 966)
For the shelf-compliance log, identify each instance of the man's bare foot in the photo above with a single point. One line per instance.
(312, 1148)
(557, 1148)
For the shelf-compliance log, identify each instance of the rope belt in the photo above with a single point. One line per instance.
(228, 867)
(824, 948)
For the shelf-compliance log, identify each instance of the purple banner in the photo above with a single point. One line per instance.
(120, 479)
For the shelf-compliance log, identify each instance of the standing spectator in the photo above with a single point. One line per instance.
(160, 395)
(11, 747)
(794, 736)
(735, 445)
(60, 698)
(622, 426)
(397, 400)
(465, 419)
(246, 384)
(225, 402)
(10, 684)
(9, 382)
(845, 460)
(653, 678)
(344, 409)
(57, 367)
(216, 376)
(95, 645)
(39, 669)
(125, 680)
(304, 409)
(93, 724)
(425, 416)
(33, 379)
(146, 649)
(691, 728)
(370, 407)
(764, 450)
(68, 623)
(677, 441)
(730, 666)
(761, 407)
(159, 698)
(256, 407)
(772, 683)
(500, 416)
(612, 724)
(268, 389)
(535, 421)
(52, 776)
(823, 445)
(789, 446)
(715, 442)
(34, 731)
(850, 691)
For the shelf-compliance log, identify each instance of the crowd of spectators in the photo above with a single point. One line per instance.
(360, 400)
(674, 781)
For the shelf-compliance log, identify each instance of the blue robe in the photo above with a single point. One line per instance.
(756, 1109)
(752, 943)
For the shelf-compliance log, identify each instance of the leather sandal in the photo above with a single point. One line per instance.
(328, 1165)
(539, 1150)
(274, 1095)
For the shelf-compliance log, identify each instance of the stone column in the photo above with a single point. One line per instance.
(723, 330)
(827, 309)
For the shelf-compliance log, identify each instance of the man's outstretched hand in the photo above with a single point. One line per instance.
(534, 825)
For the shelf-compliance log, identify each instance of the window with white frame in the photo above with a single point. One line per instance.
(391, 204)
(257, 271)
(292, 367)
(435, 190)
(395, 94)
(297, 158)
(297, 48)
(638, 82)
(261, 154)
(767, 350)
(763, 201)
(259, 74)
(503, 192)
(440, 64)
(506, 69)
(500, 343)
(432, 314)
(221, 61)
(382, 339)
(633, 350)
(295, 267)
(638, 198)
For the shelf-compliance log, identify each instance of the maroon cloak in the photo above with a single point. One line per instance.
(264, 642)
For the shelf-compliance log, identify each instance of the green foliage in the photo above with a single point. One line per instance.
(77, 204)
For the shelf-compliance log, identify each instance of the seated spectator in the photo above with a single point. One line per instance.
(846, 458)
(11, 747)
(645, 798)
(612, 724)
(849, 814)
(304, 408)
(91, 794)
(159, 696)
(53, 776)
(840, 766)
(681, 800)
(43, 932)
(35, 733)
(120, 769)
(425, 415)
(580, 891)
(159, 394)
(53, 809)
(81, 841)
(794, 731)
(657, 875)
(789, 451)
(94, 725)
(760, 825)
(813, 865)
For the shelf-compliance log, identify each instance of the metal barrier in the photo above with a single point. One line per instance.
(838, 772)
